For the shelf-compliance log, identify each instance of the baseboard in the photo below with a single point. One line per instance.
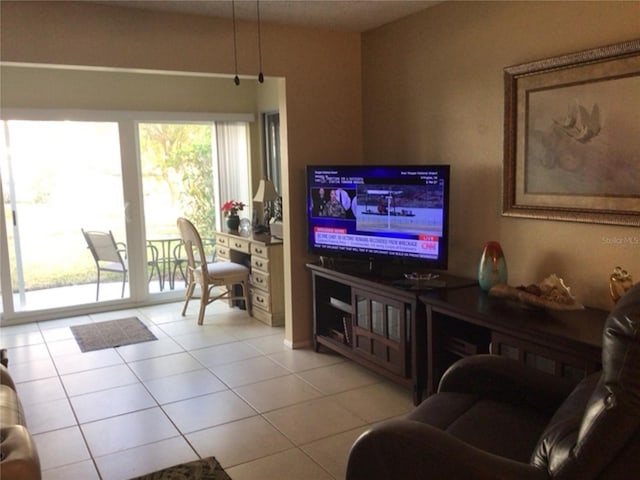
(293, 346)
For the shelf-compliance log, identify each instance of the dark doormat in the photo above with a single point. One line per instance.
(204, 469)
(112, 333)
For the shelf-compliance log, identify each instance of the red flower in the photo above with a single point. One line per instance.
(231, 207)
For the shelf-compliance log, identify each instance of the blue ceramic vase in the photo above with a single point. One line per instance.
(493, 266)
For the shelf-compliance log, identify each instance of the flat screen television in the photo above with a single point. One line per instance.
(396, 213)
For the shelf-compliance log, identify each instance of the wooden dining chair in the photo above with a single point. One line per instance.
(223, 275)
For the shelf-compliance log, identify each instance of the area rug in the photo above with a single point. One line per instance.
(112, 333)
(204, 469)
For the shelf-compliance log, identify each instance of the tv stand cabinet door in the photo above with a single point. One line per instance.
(380, 326)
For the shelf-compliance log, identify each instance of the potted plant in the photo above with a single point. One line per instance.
(230, 210)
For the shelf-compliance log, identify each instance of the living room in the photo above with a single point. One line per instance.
(426, 89)
(455, 50)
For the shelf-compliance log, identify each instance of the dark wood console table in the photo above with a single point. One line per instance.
(412, 336)
(467, 321)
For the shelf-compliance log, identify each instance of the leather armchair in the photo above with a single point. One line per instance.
(496, 418)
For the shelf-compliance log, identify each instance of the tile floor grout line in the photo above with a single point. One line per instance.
(73, 410)
(292, 365)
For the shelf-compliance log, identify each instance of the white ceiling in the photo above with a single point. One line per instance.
(347, 15)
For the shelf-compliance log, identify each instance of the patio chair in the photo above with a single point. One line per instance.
(111, 256)
(107, 254)
(210, 275)
(179, 264)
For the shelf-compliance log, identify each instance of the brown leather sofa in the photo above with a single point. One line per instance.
(18, 455)
(494, 418)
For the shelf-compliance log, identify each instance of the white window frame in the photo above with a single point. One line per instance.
(132, 188)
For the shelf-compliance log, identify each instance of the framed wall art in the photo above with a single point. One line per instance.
(572, 137)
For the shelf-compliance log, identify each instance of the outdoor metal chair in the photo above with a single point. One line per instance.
(111, 256)
(210, 275)
(179, 264)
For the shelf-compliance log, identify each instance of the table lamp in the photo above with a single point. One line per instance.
(266, 194)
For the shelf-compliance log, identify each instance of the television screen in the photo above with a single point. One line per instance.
(397, 212)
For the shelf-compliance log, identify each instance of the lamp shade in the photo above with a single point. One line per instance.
(266, 192)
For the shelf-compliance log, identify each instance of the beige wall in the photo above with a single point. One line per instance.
(433, 92)
(321, 106)
(99, 89)
(109, 89)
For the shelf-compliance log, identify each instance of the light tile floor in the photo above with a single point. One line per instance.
(229, 389)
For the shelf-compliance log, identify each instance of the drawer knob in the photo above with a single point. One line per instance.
(259, 264)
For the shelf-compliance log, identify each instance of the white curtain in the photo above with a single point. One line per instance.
(231, 150)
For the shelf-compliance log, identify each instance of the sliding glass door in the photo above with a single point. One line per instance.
(126, 174)
(186, 169)
(177, 180)
(59, 177)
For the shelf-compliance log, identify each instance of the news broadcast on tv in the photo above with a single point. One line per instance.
(394, 211)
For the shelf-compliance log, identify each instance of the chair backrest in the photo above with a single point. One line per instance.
(196, 259)
(103, 246)
(596, 432)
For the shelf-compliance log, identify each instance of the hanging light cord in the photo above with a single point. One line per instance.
(260, 75)
(236, 79)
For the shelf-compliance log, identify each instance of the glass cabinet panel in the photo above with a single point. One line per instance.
(377, 317)
(541, 363)
(362, 314)
(379, 330)
(393, 323)
(509, 351)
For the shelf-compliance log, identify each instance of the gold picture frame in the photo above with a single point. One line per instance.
(572, 137)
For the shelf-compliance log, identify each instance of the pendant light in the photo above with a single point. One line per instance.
(260, 75)
(236, 79)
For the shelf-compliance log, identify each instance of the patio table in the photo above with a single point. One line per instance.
(166, 258)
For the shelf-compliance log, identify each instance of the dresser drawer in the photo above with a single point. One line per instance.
(259, 263)
(222, 240)
(222, 253)
(259, 251)
(260, 299)
(260, 280)
(239, 245)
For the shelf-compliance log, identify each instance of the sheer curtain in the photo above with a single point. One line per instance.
(231, 147)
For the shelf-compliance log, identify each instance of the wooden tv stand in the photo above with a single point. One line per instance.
(412, 336)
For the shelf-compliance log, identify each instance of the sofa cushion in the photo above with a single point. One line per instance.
(442, 410)
(507, 430)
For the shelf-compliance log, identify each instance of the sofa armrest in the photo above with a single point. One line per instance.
(5, 378)
(506, 379)
(416, 451)
(19, 457)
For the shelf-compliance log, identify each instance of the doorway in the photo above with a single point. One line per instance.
(96, 172)
(59, 177)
